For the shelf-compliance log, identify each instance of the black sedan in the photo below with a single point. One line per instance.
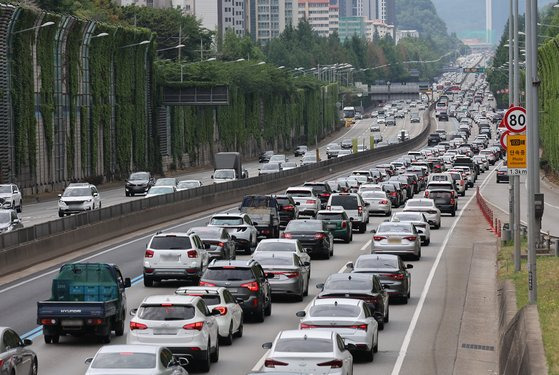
(217, 241)
(365, 287)
(265, 156)
(502, 174)
(300, 150)
(138, 183)
(313, 236)
(288, 209)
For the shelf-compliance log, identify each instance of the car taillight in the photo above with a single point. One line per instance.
(452, 201)
(462, 182)
(319, 236)
(222, 310)
(383, 201)
(149, 254)
(360, 326)
(379, 238)
(205, 283)
(432, 212)
(135, 325)
(221, 244)
(393, 194)
(426, 193)
(310, 201)
(288, 208)
(95, 322)
(192, 253)
(194, 326)
(395, 276)
(307, 326)
(344, 224)
(286, 235)
(272, 363)
(48, 322)
(325, 195)
(291, 275)
(335, 363)
(410, 238)
(252, 286)
(359, 210)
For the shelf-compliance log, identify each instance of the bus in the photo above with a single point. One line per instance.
(349, 115)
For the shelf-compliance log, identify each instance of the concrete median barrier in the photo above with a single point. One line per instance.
(41, 242)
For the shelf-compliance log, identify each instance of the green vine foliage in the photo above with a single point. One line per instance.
(22, 95)
(73, 65)
(548, 65)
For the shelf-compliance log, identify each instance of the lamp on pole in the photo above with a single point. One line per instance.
(168, 48)
(143, 42)
(46, 24)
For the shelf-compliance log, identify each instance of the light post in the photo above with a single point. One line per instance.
(169, 48)
(143, 42)
(46, 24)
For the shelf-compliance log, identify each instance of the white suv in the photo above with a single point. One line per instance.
(230, 318)
(239, 226)
(10, 197)
(174, 256)
(184, 324)
(78, 197)
(355, 207)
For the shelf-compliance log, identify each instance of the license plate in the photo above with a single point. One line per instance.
(440, 201)
(232, 290)
(164, 332)
(332, 226)
(394, 240)
(170, 257)
(72, 322)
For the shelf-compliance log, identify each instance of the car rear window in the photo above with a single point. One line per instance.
(330, 216)
(332, 311)
(348, 202)
(373, 195)
(347, 284)
(319, 189)
(439, 178)
(300, 345)
(273, 261)
(419, 204)
(124, 360)
(259, 201)
(440, 194)
(228, 274)
(227, 220)
(440, 186)
(170, 243)
(166, 312)
(394, 228)
(304, 226)
(376, 263)
(277, 246)
(283, 201)
(403, 216)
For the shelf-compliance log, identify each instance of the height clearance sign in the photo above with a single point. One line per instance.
(515, 121)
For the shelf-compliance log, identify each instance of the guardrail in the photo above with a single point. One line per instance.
(49, 240)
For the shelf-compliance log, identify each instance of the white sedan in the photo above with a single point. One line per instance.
(230, 318)
(313, 351)
(428, 208)
(350, 318)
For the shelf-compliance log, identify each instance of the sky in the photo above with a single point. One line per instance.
(467, 17)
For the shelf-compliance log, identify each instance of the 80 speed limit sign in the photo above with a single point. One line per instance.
(515, 119)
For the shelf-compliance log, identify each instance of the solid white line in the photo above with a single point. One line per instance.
(425, 291)
(366, 246)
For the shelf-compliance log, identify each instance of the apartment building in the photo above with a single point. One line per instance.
(267, 19)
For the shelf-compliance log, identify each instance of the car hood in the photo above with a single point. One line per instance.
(4, 226)
(137, 182)
(75, 199)
(5, 195)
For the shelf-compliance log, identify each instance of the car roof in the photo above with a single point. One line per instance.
(312, 333)
(339, 301)
(173, 234)
(170, 298)
(377, 256)
(233, 263)
(200, 289)
(346, 276)
(232, 214)
(278, 240)
(135, 348)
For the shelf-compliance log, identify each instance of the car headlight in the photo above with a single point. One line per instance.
(62, 203)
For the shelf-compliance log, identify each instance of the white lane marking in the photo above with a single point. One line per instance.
(425, 291)
(97, 254)
(366, 246)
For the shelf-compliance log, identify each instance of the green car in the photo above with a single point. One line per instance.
(337, 223)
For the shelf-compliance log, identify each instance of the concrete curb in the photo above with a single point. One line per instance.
(521, 350)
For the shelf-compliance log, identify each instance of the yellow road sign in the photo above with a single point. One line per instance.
(516, 153)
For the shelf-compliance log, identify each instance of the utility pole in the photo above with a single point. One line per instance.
(516, 101)
(532, 83)
(511, 102)
(180, 42)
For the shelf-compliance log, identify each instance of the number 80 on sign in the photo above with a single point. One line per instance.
(515, 119)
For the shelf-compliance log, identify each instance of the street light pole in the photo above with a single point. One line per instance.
(532, 143)
(516, 101)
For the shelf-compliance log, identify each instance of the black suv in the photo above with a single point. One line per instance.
(300, 150)
(288, 209)
(434, 139)
(246, 281)
(138, 183)
(347, 144)
(322, 190)
(265, 156)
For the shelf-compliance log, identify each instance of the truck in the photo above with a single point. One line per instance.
(228, 167)
(87, 299)
(263, 210)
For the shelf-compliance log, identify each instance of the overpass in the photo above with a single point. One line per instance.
(394, 91)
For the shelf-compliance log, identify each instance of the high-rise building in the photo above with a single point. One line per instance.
(350, 26)
(317, 14)
(217, 15)
(334, 18)
(146, 3)
(387, 11)
(267, 19)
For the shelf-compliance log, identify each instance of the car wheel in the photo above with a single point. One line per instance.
(306, 292)
(239, 332)
(453, 213)
(347, 238)
(119, 329)
(387, 316)
(268, 310)
(299, 297)
(34, 368)
(132, 194)
(362, 227)
(259, 315)
(327, 254)
(48, 339)
(204, 365)
(462, 193)
(148, 281)
(20, 207)
(380, 325)
(427, 242)
(228, 340)
(388, 213)
(214, 357)
(106, 339)
(404, 299)
(60, 214)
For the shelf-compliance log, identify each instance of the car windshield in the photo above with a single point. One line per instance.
(289, 164)
(277, 158)
(347, 284)
(330, 216)
(277, 246)
(412, 203)
(158, 190)
(308, 226)
(225, 174)
(348, 202)
(299, 193)
(274, 261)
(405, 216)
(188, 184)
(333, 311)
(5, 189)
(5, 217)
(170, 243)
(166, 311)
(77, 192)
(139, 176)
(228, 273)
(124, 360)
(394, 228)
(206, 232)
(226, 220)
(166, 182)
(258, 201)
(376, 262)
(301, 345)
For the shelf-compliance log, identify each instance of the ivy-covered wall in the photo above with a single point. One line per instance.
(548, 66)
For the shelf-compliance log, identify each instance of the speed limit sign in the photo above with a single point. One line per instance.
(515, 119)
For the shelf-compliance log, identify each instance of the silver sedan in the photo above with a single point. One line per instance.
(378, 202)
(419, 221)
(396, 238)
(287, 274)
(15, 357)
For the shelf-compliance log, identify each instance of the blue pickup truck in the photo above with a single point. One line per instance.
(87, 298)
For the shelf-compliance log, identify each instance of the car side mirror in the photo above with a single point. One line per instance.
(212, 176)
(254, 224)
(207, 246)
(59, 195)
(306, 264)
(88, 360)
(297, 203)
(95, 194)
(300, 314)
(215, 312)
(182, 361)
(233, 238)
(16, 191)
(350, 347)
(409, 266)
(320, 286)
(239, 300)
(269, 275)
(367, 204)
(133, 312)
(350, 265)
(27, 342)
(373, 231)
(267, 345)
(127, 282)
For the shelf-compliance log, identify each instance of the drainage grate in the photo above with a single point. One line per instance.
(478, 347)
